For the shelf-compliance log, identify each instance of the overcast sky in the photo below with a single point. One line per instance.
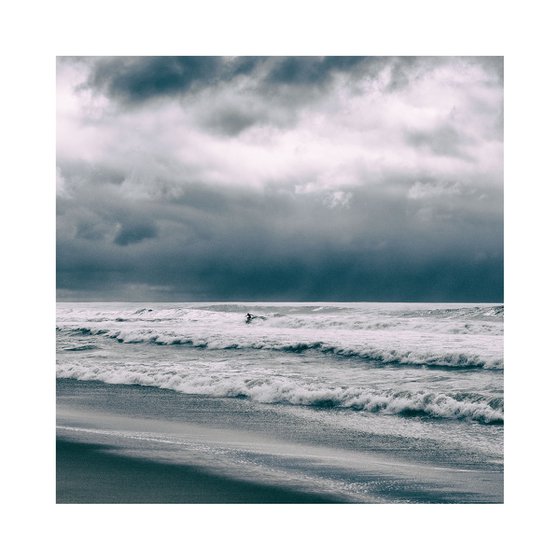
(299, 178)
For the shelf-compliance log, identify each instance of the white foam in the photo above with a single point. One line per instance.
(456, 337)
(261, 387)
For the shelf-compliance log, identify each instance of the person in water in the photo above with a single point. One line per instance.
(249, 318)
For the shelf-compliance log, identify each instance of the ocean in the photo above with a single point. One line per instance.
(306, 402)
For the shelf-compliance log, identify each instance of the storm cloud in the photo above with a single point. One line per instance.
(282, 178)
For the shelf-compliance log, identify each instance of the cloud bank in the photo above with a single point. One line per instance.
(298, 178)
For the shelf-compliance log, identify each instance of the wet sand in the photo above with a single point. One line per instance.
(91, 473)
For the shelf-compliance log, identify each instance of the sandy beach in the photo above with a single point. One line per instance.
(90, 473)
(133, 444)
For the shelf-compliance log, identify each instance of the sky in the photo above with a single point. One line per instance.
(280, 179)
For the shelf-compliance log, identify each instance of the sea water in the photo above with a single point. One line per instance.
(385, 394)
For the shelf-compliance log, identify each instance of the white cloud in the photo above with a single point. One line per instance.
(437, 189)
(356, 134)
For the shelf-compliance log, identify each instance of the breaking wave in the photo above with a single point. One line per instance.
(390, 356)
(280, 390)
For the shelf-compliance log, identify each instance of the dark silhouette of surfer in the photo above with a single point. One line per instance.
(250, 317)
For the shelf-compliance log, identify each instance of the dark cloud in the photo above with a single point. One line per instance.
(232, 244)
(137, 79)
(309, 70)
(248, 273)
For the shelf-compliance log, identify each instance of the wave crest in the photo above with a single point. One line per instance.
(389, 356)
(280, 390)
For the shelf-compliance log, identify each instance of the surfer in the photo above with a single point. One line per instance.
(249, 318)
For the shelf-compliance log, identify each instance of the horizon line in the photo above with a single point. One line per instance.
(270, 301)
